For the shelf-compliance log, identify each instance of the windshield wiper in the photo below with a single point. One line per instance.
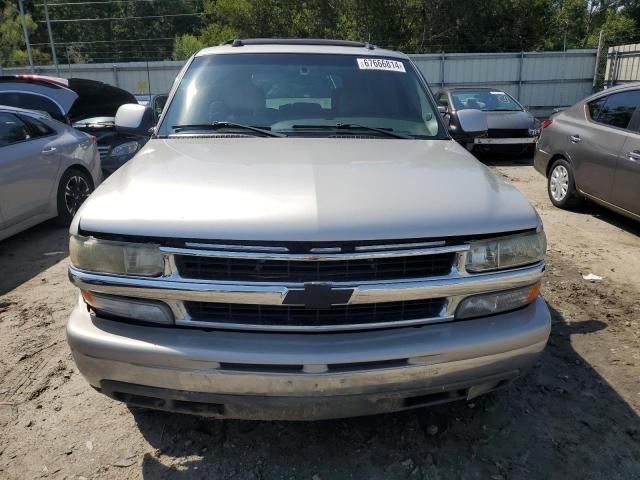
(218, 125)
(353, 126)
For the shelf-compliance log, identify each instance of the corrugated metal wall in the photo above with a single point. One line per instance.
(135, 77)
(540, 80)
(623, 64)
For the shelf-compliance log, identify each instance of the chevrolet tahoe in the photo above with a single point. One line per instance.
(302, 239)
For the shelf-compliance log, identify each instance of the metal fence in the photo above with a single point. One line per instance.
(135, 77)
(623, 65)
(540, 80)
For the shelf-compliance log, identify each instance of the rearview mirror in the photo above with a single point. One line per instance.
(471, 124)
(135, 119)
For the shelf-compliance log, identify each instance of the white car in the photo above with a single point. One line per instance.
(47, 169)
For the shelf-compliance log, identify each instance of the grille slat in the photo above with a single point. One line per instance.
(103, 150)
(299, 316)
(256, 270)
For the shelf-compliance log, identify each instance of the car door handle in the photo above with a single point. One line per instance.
(634, 155)
(48, 150)
(575, 138)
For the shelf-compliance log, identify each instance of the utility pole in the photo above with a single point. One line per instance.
(596, 69)
(53, 48)
(26, 35)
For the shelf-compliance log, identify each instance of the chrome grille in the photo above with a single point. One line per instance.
(284, 270)
(335, 317)
(309, 286)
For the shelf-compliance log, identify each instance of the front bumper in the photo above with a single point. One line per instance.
(541, 161)
(505, 141)
(304, 376)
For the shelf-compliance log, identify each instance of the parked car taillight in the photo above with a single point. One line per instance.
(546, 123)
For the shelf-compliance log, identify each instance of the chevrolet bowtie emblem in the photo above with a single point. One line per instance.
(318, 295)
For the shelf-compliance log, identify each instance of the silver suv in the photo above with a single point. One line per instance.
(303, 239)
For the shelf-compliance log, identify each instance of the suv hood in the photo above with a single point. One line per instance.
(96, 99)
(302, 189)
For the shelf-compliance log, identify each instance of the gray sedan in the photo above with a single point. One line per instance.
(592, 150)
(47, 169)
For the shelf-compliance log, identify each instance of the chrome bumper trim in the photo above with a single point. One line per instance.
(273, 294)
(267, 255)
(187, 322)
(174, 293)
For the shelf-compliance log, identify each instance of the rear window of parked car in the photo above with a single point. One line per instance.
(36, 128)
(12, 130)
(616, 109)
(16, 128)
(30, 101)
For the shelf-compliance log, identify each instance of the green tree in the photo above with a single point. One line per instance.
(185, 45)
(13, 51)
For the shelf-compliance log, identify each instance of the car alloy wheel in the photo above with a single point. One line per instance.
(76, 192)
(559, 183)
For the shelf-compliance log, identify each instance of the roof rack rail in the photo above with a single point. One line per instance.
(240, 42)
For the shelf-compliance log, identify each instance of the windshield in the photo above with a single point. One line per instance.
(286, 93)
(485, 100)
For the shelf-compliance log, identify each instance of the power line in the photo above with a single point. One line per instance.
(95, 3)
(73, 20)
(111, 41)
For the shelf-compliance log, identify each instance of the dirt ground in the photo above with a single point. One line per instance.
(575, 415)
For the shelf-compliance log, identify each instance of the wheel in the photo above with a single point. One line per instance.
(561, 185)
(74, 188)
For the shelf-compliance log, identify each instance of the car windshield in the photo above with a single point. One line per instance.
(485, 100)
(303, 95)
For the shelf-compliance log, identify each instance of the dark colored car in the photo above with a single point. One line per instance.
(512, 128)
(592, 150)
(88, 105)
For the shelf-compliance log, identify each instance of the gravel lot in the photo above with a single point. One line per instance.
(575, 415)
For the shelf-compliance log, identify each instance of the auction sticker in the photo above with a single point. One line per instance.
(380, 64)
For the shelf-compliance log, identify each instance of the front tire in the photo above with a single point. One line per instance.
(561, 185)
(74, 188)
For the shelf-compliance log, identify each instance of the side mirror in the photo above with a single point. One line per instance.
(442, 109)
(471, 124)
(134, 119)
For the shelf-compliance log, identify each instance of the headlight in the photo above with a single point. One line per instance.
(506, 252)
(125, 150)
(94, 255)
(498, 302)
